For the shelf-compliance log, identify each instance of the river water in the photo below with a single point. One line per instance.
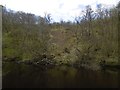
(26, 76)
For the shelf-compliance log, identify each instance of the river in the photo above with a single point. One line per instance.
(26, 76)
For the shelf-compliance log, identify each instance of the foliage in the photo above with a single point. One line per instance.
(90, 39)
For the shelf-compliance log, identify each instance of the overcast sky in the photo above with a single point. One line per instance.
(59, 9)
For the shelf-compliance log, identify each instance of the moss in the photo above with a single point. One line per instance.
(10, 52)
(26, 56)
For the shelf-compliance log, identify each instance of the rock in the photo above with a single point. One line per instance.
(28, 62)
(18, 62)
(44, 56)
(36, 63)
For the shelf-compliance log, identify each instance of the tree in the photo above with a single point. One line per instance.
(78, 19)
(88, 17)
(99, 11)
(47, 18)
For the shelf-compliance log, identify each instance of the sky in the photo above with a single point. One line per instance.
(59, 9)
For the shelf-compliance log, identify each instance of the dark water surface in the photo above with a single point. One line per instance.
(25, 76)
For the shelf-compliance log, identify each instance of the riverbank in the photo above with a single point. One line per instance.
(46, 63)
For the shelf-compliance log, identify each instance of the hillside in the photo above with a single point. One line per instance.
(86, 42)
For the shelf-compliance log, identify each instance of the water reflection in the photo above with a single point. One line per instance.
(58, 77)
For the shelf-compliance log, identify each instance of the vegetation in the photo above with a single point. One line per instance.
(88, 41)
